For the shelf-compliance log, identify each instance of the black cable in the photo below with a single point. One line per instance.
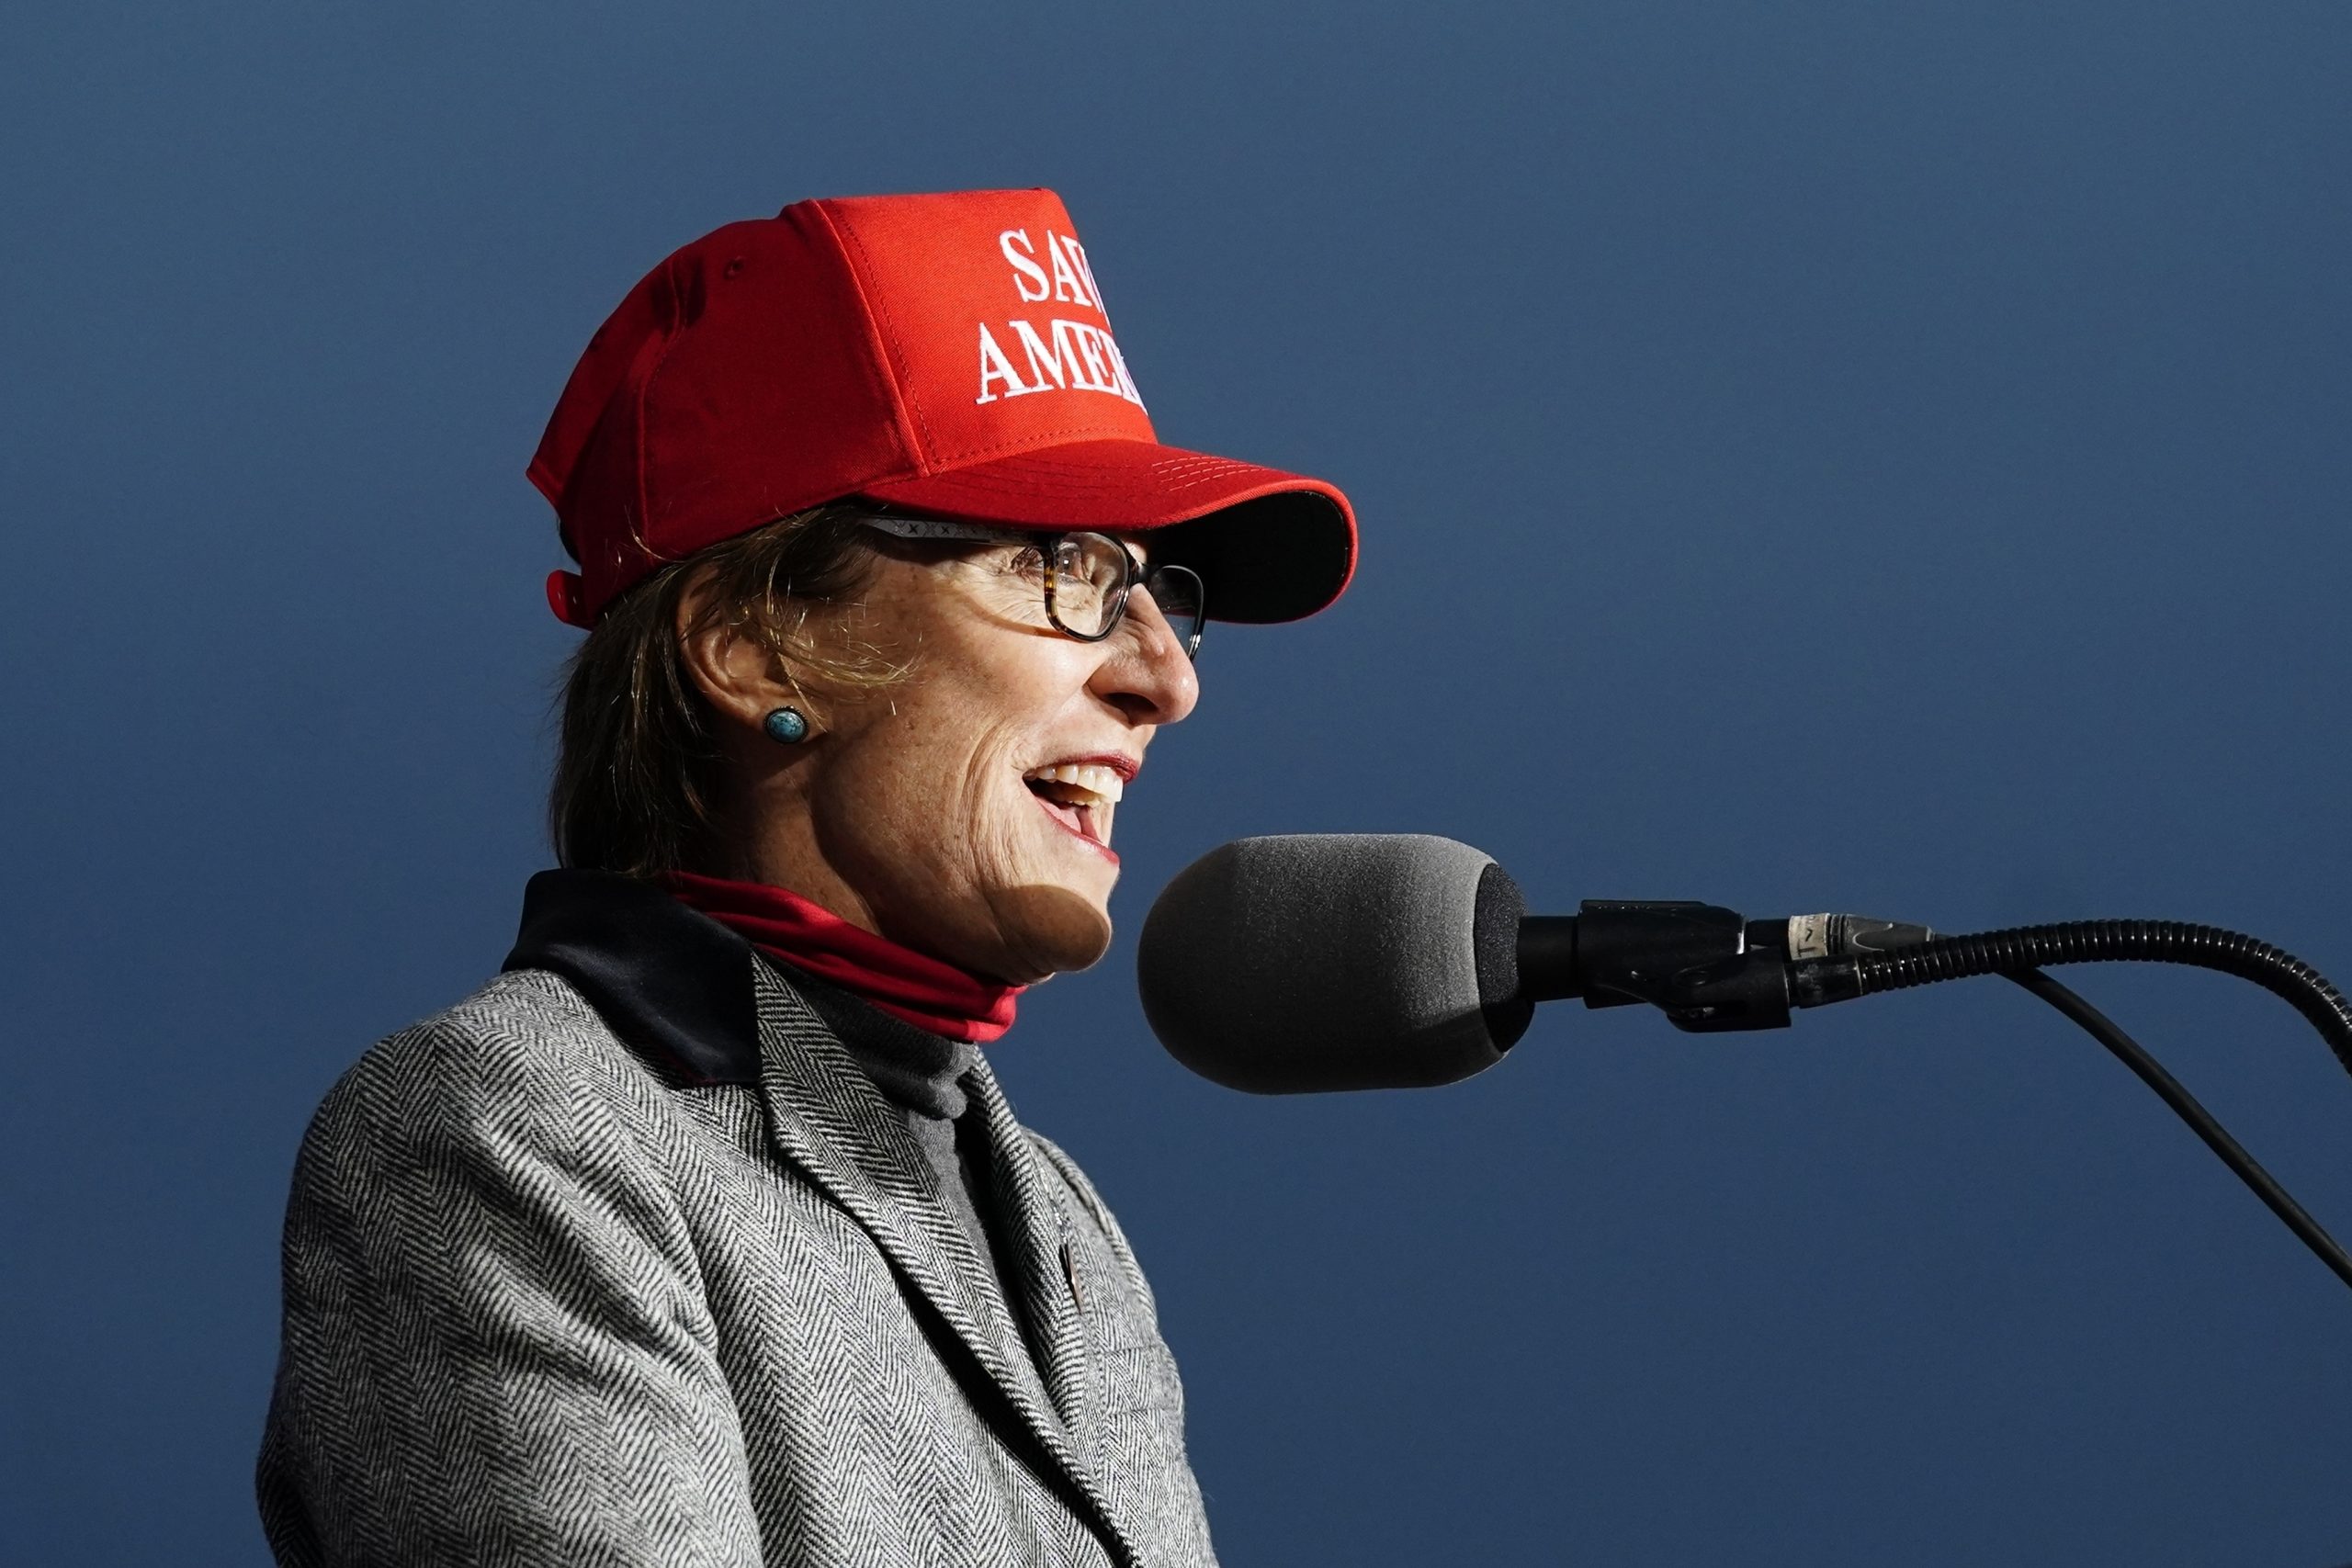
(2201, 1121)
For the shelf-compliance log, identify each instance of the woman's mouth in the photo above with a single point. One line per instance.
(1081, 799)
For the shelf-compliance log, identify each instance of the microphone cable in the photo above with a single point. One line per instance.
(2017, 955)
(2201, 1121)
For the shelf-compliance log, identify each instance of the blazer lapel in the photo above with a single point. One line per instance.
(1034, 1248)
(827, 1117)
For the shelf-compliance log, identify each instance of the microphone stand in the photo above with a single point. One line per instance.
(1710, 971)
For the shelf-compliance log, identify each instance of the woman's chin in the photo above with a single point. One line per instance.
(1049, 928)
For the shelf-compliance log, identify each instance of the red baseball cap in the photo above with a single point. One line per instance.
(945, 355)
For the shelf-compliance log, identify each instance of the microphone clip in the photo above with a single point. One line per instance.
(1692, 962)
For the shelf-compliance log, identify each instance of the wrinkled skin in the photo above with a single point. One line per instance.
(905, 812)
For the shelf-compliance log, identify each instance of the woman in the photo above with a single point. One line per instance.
(703, 1233)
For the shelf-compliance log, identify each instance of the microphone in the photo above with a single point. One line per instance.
(1306, 963)
(1313, 961)
(1309, 962)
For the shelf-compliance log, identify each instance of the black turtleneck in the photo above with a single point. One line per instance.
(919, 1070)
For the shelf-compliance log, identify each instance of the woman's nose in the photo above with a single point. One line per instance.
(1147, 676)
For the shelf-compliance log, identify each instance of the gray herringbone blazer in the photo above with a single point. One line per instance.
(623, 1260)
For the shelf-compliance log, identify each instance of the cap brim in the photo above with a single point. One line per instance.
(1269, 546)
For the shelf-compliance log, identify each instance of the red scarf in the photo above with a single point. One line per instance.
(926, 992)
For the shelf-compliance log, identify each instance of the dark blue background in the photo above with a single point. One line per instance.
(1810, 456)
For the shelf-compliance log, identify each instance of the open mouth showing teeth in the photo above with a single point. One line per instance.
(1081, 796)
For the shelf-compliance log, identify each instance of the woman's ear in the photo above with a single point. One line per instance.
(736, 672)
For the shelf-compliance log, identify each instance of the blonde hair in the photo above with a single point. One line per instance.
(638, 785)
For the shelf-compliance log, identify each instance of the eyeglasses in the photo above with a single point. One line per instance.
(1086, 577)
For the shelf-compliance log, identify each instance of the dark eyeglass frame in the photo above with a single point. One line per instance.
(1049, 542)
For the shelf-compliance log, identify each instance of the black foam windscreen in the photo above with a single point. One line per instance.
(1311, 962)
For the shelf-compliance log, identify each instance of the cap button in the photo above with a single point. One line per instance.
(563, 598)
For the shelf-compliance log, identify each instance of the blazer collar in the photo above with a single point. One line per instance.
(675, 985)
(700, 1004)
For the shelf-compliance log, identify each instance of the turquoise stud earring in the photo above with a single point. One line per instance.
(786, 726)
